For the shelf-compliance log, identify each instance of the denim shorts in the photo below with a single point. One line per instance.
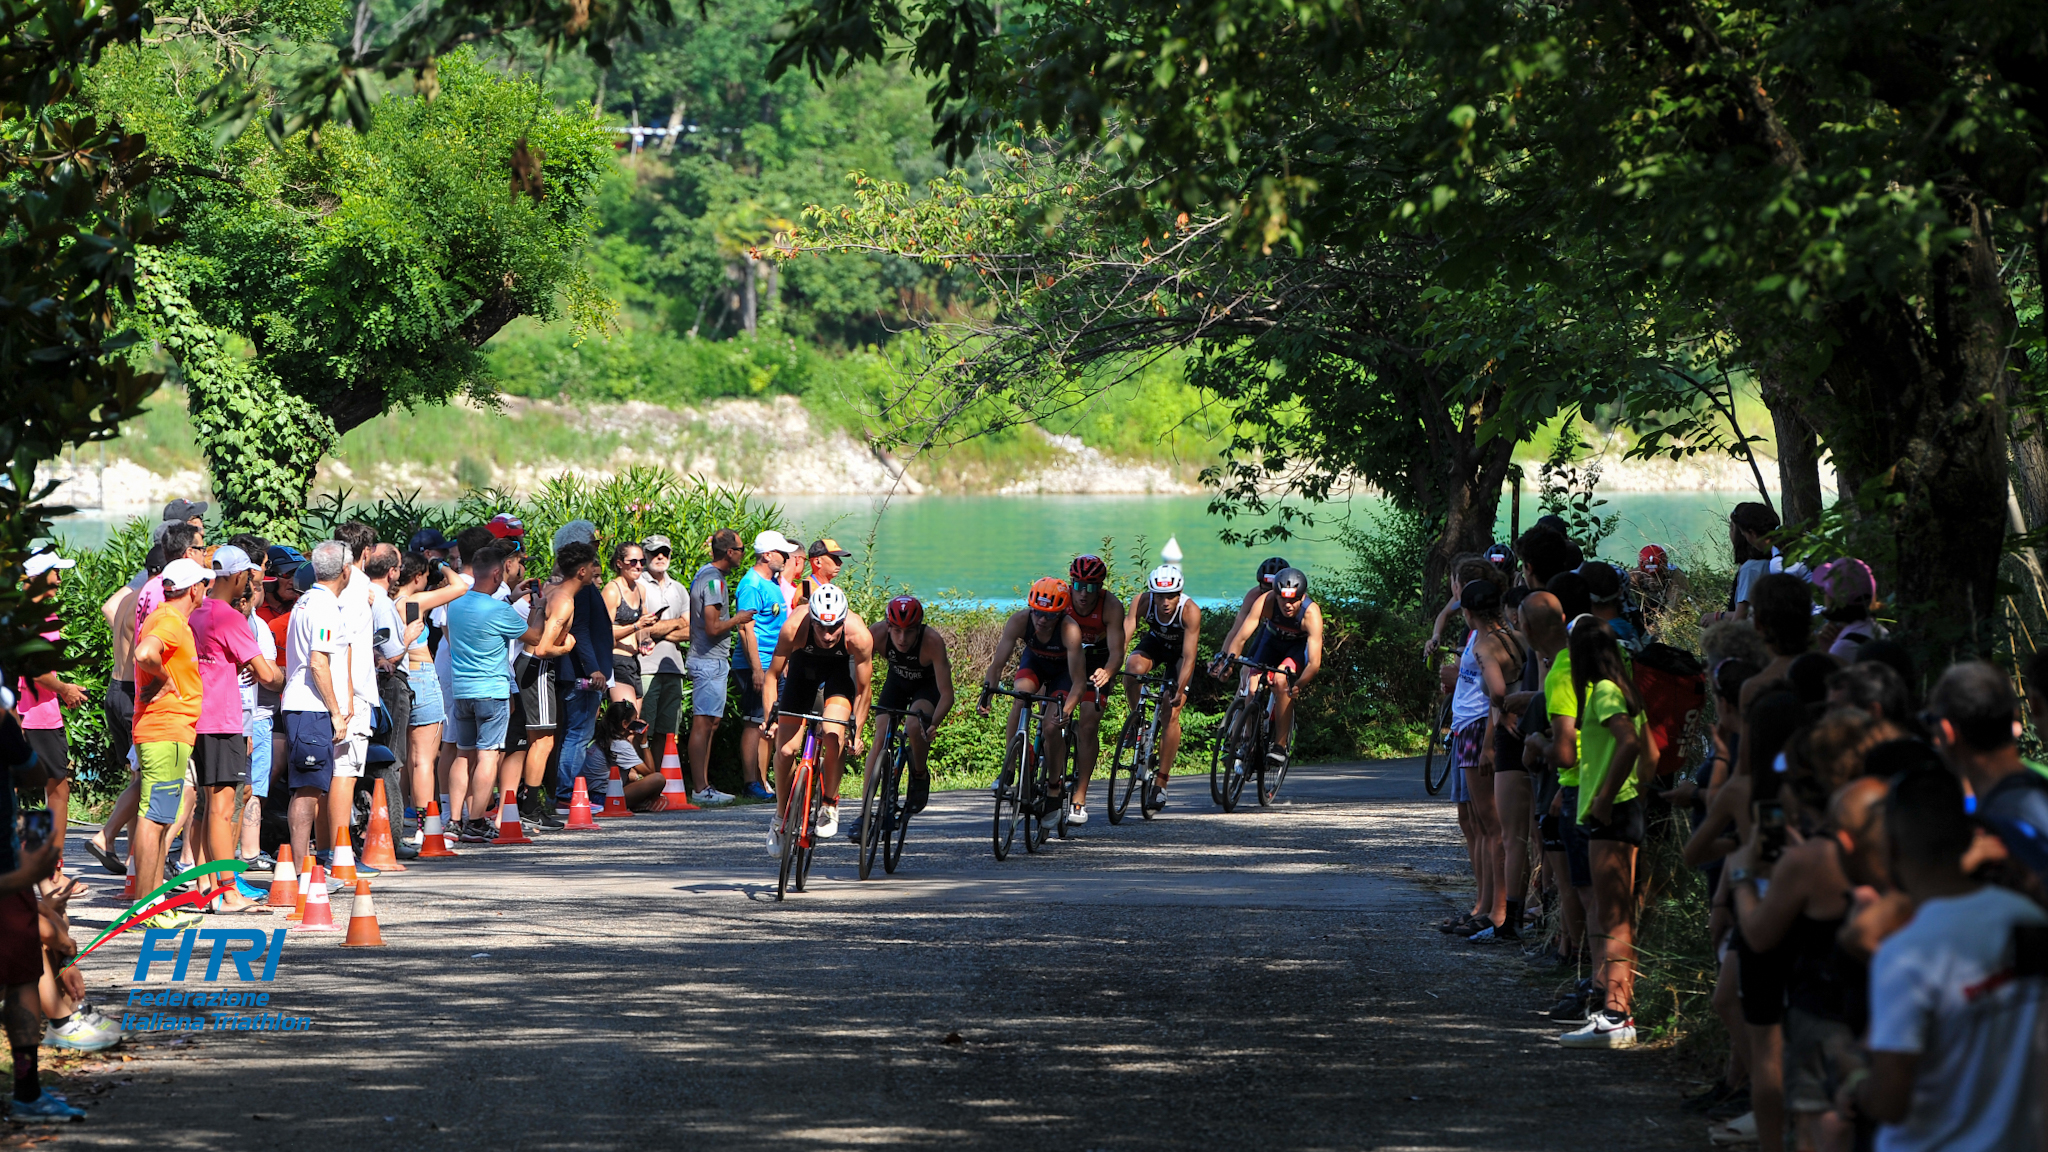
(259, 728)
(707, 685)
(427, 707)
(481, 724)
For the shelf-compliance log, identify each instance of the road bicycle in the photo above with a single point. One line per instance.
(1243, 739)
(800, 843)
(1031, 788)
(884, 806)
(1436, 759)
(1134, 764)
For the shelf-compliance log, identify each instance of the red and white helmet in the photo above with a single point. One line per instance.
(828, 605)
(1166, 580)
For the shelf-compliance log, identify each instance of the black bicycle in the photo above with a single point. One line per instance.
(1436, 759)
(884, 806)
(1031, 787)
(1134, 764)
(1243, 741)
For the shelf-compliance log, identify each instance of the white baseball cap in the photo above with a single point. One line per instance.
(773, 541)
(183, 573)
(42, 562)
(228, 560)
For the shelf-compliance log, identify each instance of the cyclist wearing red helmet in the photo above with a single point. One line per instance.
(1290, 637)
(1052, 663)
(1173, 630)
(1101, 616)
(920, 680)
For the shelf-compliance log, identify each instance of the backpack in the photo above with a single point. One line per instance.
(2025, 869)
(1673, 686)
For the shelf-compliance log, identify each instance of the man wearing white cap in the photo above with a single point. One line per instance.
(761, 591)
(167, 705)
(224, 645)
(42, 701)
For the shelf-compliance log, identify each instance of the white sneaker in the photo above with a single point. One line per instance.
(775, 837)
(828, 821)
(80, 1034)
(1603, 1029)
(1741, 1130)
(1077, 815)
(710, 797)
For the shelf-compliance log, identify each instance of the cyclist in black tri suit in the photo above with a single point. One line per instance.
(920, 680)
(1268, 568)
(825, 648)
(1172, 629)
(1052, 663)
(1101, 617)
(1289, 637)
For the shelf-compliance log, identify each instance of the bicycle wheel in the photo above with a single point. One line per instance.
(797, 788)
(1270, 776)
(1123, 770)
(1436, 762)
(1241, 750)
(872, 828)
(896, 809)
(807, 844)
(1223, 762)
(1032, 801)
(1060, 790)
(1009, 788)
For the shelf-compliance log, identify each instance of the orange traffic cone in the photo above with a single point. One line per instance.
(615, 796)
(362, 920)
(510, 831)
(343, 858)
(128, 889)
(319, 915)
(675, 795)
(579, 808)
(378, 851)
(284, 882)
(434, 845)
(305, 891)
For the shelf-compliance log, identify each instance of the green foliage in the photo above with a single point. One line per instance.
(1567, 490)
(88, 650)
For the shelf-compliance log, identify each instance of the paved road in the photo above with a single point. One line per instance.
(1257, 979)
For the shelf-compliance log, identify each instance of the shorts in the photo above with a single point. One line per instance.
(427, 705)
(1762, 982)
(626, 672)
(260, 753)
(21, 940)
(1625, 824)
(480, 724)
(308, 750)
(799, 693)
(898, 693)
(1046, 675)
(536, 679)
(1280, 650)
(515, 724)
(351, 756)
(223, 759)
(163, 779)
(1164, 657)
(1577, 857)
(52, 751)
(1549, 829)
(120, 713)
(1461, 791)
(1819, 1055)
(739, 685)
(707, 685)
(394, 690)
(661, 704)
(1468, 744)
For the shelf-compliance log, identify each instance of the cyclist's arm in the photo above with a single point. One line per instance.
(861, 643)
(1077, 664)
(1013, 629)
(1113, 635)
(1234, 646)
(1315, 647)
(1190, 643)
(942, 667)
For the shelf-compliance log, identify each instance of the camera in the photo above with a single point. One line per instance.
(1770, 824)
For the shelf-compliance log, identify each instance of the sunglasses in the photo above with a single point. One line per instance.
(632, 562)
(1079, 588)
(658, 552)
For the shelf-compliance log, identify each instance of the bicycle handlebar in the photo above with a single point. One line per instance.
(998, 690)
(1258, 667)
(779, 714)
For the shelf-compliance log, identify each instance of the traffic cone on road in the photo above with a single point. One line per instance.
(378, 850)
(319, 914)
(284, 882)
(362, 920)
(579, 809)
(615, 796)
(342, 860)
(675, 795)
(434, 845)
(509, 829)
(128, 889)
(305, 891)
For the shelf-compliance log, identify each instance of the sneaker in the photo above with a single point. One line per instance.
(853, 829)
(775, 837)
(363, 869)
(920, 791)
(1077, 815)
(1741, 1130)
(1603, 1029)
(1276, 757)
(472, 832)
(562, 810)
(828, 821)
(261, 862)
(49, 1108)
(177, 919)
(1486, 935)
(549, 822)
(755, 790)
(83, 1034)
(1569, 1010)
(709, 797)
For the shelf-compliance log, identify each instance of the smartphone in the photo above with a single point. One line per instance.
(35, 829)
(1770, 821)
(412, 613)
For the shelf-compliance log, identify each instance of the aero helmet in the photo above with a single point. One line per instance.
(828, 605)
(906, 612)
(1049, 594)
(1166, 580)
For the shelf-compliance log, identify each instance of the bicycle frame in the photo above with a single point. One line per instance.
(1032, 784)
(800, 800)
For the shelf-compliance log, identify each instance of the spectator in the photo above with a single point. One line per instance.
(259, 713)
(480, 628)
(1955, 1059)
(626, 601)
(826, 558)
(1660, 583)
(24, 866)
(583, 673)
(1573, 597)
(469, 543)
(1603, 590)
(667, 604)
(711, 653)
(42, 702)
(187, 512)
(621, 742)
(358, 677)
(1873, 687)
(1850, 591)
(430, 544)
(539, 696)
(760, 592)
(225, 647)
(1809, 674)
(167, 712)
(1781, 608)
(394, 685)
(119, 610)
(1556, 746)
(1974, 719)
(1491, 659)
(1750, 526)
(1732, 640)
(1545, 553)
(315, 715)
(423, 586)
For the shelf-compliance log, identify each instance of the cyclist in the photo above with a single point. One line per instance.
(1290, 637)
(1268, 568)
(1101, 617)
(1173, 629)
(1052, 663)
(920, 680)
(824, 648)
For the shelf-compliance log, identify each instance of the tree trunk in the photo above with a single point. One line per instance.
(749, 305)
(1798, 451)
(675, 127)
(1466, 480)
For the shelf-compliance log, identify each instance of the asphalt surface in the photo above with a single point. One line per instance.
(1259, 979)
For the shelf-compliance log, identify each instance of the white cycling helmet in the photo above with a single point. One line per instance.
(1166, 580)
(828, 606)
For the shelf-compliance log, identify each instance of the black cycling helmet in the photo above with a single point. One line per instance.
(1271, 566)
(1290, 584)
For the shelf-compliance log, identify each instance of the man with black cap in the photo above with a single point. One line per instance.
(430, 543)
(827, 559)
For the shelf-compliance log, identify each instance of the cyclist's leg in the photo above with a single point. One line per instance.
(1169, 741)
(917, 732)
(1056, 735)
(1087, 746)
(832, 746)
(1283, 709)
(1137, 664)
(789, 734)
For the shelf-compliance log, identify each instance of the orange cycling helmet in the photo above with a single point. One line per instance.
(906, 612)
(1049, 594)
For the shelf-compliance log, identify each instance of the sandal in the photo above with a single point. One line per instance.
(1472, 927)
(108, 860)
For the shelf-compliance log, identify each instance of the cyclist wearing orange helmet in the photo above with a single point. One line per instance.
(1052, 663)
(920, 680)
(1101, 616)
(1173, 628)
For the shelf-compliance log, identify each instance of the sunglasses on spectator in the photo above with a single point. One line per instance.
(658, 552)
(632, 561)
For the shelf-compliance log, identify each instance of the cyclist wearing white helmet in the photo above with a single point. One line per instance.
(1290, 638)
(1172, 629)
(828, 655)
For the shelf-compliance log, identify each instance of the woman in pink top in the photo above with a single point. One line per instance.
(224, 646)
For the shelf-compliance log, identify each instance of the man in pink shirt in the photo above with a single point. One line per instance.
(224, 646)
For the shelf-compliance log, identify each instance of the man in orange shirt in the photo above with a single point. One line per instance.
(167, 697)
